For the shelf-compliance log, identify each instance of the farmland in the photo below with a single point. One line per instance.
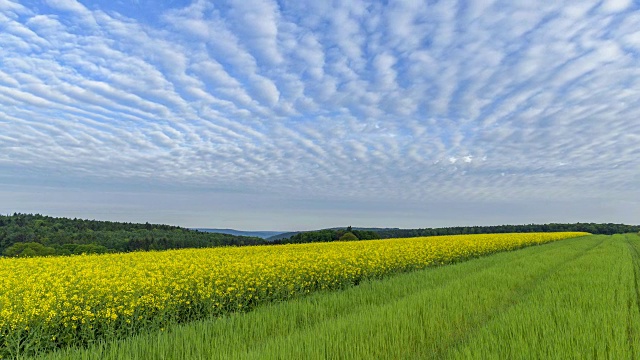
(49, 303)
(571, 299)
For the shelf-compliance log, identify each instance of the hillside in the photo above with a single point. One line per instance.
(388, 233)
(32, 235)
(260, 234)
(26, 235)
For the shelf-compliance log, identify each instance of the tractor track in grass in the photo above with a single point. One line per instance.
(311, 322)
(522, 292)
(635, 257)
(346, 319)
(586, 310)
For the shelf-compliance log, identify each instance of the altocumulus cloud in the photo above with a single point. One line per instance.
(398, 101)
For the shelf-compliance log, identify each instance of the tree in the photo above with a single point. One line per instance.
(348, 236)
(29, 249)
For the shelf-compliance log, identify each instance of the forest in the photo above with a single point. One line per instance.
(336, 234)
(593, 228)
(327, 235)
(26, 235)
(23, 235)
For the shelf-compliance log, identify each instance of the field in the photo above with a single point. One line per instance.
(49, 303)
(572, 299)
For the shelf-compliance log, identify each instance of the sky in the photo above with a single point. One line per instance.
(298, 115)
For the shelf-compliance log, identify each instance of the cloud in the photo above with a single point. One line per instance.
(67, 5)
(257, 22)
(615, 5)
(401, 102)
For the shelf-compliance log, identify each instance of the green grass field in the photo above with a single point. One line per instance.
(571, 299)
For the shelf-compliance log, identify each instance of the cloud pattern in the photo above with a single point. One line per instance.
(399, 100)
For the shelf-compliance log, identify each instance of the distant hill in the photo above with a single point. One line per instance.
(281, 236)
(385, 233)
(594, 228)
(260, 234)
(38, 235)
(287, 235)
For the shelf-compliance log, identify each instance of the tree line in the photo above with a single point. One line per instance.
(328, 235)
(604, 229)
(23, 235)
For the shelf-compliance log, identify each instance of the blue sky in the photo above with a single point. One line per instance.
(293, 115)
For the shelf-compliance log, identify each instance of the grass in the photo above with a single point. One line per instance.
(572, 299)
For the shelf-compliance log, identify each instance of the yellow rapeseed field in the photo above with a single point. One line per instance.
(46, 303)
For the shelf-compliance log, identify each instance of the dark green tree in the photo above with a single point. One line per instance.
(29, 249)
(348, 236)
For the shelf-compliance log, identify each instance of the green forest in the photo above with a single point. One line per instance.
(593, 228)
(25, 235)
(387, 233)
(327, 235)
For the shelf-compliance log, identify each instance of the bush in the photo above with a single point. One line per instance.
(29, 249)
(349, 236)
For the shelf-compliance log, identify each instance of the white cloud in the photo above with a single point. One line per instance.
(11, 7)
(67, 5)
(615, 5)
(315, 100)
(257, 22)
(265, 90)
